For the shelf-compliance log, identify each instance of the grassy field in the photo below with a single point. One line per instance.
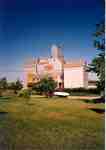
(50, 124)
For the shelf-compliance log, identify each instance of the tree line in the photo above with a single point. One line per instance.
(5, 85)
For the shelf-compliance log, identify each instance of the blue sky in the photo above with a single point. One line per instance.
(29, 27)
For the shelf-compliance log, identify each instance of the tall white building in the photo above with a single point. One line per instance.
(67, 74)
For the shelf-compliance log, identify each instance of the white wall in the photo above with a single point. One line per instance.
(85, 79)
(56, 64)
(74, 77)
(92, 86)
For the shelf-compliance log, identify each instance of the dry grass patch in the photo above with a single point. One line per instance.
(50, 124)
(56, 115)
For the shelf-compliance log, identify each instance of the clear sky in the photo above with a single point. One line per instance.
(29, 27)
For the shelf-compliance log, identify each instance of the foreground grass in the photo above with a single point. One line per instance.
(50, 124)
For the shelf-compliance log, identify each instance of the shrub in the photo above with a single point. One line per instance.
(3, 84)
(24, 93)
(82, 91)
(15, 86)
(46, 86)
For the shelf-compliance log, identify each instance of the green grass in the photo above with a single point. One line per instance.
(50, 124)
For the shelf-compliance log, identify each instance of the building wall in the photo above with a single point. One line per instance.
(85, 77)
(92, 84)
(57, 65)
(30, 74)
(57, 68)
(74, 77)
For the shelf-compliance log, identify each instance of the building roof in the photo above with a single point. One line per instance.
(49, 67)
(75, 63)
(43, 61)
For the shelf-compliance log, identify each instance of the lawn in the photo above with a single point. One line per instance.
(50, 124)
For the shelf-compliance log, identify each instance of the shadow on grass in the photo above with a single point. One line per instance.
(30, 104)
(94, 101)
(97, 110)
(4, 98)
(3, 115)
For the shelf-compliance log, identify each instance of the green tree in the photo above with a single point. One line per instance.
(46, 86)
(16, 86)
(98, 63)
(3, 85)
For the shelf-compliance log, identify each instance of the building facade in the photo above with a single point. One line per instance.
(75, 75)
(67, 74)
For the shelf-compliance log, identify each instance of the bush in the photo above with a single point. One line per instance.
(82, 91)
(24, 93)
(46, 86)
